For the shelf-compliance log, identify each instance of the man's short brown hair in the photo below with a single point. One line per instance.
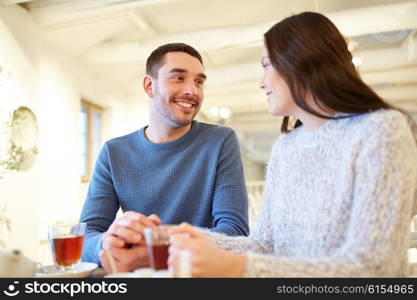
(156, 59)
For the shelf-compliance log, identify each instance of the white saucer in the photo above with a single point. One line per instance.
(148, 272)
(82, 269)
(142, 273)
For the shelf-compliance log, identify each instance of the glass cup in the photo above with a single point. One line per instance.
(184, 267)
(157, 241)
(66, 242)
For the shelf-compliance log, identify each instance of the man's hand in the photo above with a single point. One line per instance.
(124, 240)
(128, 229)
(125, 259)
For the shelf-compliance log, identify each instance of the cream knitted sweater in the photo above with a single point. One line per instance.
(338, 201)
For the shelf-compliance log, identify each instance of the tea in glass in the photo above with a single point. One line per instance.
(66, 243)
(157, 241)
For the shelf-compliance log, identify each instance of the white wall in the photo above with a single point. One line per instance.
(20, 192)
(52, 84)
(58, 140)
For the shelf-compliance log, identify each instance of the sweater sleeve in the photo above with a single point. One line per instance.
(238, 244)
(100, 207)
(383, 193)
(230, 201)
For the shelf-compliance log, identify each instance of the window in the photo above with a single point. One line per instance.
(91, 137)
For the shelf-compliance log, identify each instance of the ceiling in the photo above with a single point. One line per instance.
(115, 37)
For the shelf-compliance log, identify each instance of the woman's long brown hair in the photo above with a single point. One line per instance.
(311, 54)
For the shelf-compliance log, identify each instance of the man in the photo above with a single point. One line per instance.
(173, 170)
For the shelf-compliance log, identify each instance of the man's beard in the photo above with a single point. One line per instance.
(167, 109)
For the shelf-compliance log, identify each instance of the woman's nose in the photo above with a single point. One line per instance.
(262, 85)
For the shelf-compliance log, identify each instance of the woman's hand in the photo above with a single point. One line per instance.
(207, 259)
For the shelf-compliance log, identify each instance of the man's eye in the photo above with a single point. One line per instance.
(199, 82)
(178, 77)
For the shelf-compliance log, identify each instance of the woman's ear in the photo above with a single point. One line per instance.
(147, 85)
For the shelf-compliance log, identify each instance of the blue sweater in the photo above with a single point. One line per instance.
(197, 178)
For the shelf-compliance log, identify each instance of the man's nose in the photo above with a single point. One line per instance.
(190, 89)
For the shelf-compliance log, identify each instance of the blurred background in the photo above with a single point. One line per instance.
(71, 76)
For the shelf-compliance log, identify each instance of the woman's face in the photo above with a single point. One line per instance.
(279, 96)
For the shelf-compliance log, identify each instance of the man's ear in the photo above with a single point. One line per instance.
(147, 85)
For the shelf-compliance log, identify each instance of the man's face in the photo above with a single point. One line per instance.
(178, 92)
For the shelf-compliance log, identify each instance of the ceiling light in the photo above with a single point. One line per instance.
(357, 61)
(220, 114)
(214, 111)
(352, 45)
(224, 113)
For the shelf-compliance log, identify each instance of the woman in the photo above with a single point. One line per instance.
(340, 185)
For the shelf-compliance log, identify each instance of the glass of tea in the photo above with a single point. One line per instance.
(66, 242)
(157, 241)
